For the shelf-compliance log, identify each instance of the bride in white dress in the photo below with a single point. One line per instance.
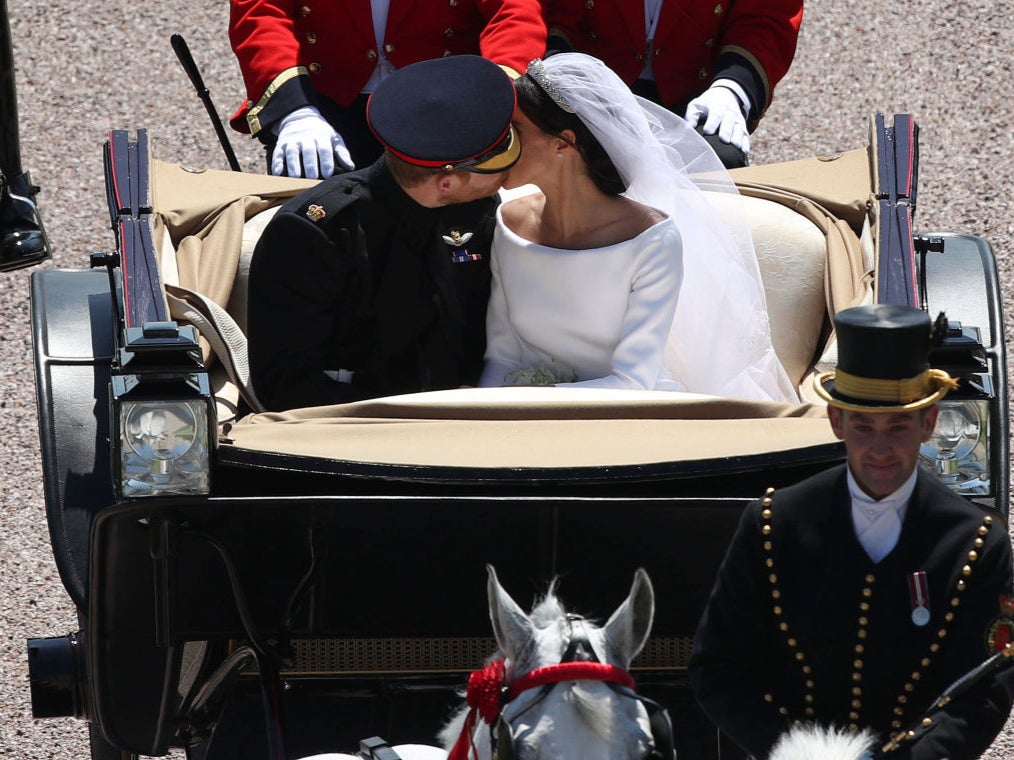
(618, 272)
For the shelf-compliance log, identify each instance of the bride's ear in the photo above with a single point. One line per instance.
(566, 139)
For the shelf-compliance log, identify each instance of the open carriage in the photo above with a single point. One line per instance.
(292, 582)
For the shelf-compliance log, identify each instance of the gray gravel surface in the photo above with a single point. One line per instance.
(85, 67)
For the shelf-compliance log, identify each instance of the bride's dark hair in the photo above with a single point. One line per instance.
(550, 118)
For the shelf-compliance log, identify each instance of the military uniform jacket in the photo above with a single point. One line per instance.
(802, 625)
(354, 275)
(291, 51)
(696, 42)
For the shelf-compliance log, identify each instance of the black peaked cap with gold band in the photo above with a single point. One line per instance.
(449, 113)
(883, 361)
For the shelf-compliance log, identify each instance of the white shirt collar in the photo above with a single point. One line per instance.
(897, 500)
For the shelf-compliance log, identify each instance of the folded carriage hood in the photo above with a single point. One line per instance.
(560, 432)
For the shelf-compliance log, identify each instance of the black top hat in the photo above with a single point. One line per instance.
(451, 113)
(883, 361)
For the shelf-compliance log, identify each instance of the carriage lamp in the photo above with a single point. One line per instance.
(163, 447)
(958, 449)
(163, 423)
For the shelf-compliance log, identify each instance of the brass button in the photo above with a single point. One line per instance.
(589, 4)
(388, 48)
(719, 9)
(453, 3)
(703, 74)
(710, 42)
(315, 68)
(371, 55)
(311, 37)
(305, 10)
(449, 32)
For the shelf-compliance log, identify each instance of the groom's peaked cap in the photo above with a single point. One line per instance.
(451, 113)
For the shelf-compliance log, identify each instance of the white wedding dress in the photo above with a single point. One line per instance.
(600, 316)
(593, 318)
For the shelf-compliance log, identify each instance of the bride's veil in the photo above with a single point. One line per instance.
(720, 342)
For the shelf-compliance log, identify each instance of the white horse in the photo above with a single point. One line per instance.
(559, 687)
(813, 742)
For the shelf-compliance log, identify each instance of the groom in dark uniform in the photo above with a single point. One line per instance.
(857, 596)
(375, 283)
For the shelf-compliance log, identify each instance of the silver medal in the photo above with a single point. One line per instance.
(920, 616)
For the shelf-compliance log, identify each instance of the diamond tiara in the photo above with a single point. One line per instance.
(538, 74)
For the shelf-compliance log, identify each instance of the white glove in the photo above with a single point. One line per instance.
(722, 111)
(308, 146)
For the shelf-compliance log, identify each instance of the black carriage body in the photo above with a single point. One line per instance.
(362, 582)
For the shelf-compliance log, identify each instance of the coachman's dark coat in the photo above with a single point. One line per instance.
(802, 625)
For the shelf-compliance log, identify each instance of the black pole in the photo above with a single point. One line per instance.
(190, 66)
(10, 146)
(23, 240)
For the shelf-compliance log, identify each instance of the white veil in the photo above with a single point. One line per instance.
(720, 342)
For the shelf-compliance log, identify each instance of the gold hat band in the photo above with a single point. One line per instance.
(891, 391)
(907, 394)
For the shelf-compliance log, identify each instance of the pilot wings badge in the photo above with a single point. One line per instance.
(456, 239)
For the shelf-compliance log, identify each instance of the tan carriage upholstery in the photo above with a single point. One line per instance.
(811, 261)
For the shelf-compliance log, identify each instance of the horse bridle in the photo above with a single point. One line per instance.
(579, 662)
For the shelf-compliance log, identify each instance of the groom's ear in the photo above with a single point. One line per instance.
(446, 182)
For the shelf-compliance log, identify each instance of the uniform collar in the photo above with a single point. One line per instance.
(896, 500)
(385, 188)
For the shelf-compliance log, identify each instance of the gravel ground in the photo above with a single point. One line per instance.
(84, 68)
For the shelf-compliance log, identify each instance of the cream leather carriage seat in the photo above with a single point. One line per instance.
(791, 253)
(792, 257)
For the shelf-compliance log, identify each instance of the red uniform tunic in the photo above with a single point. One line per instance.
(696, 42)
(331, 45)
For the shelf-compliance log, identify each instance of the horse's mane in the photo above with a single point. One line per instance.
(548, 608)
